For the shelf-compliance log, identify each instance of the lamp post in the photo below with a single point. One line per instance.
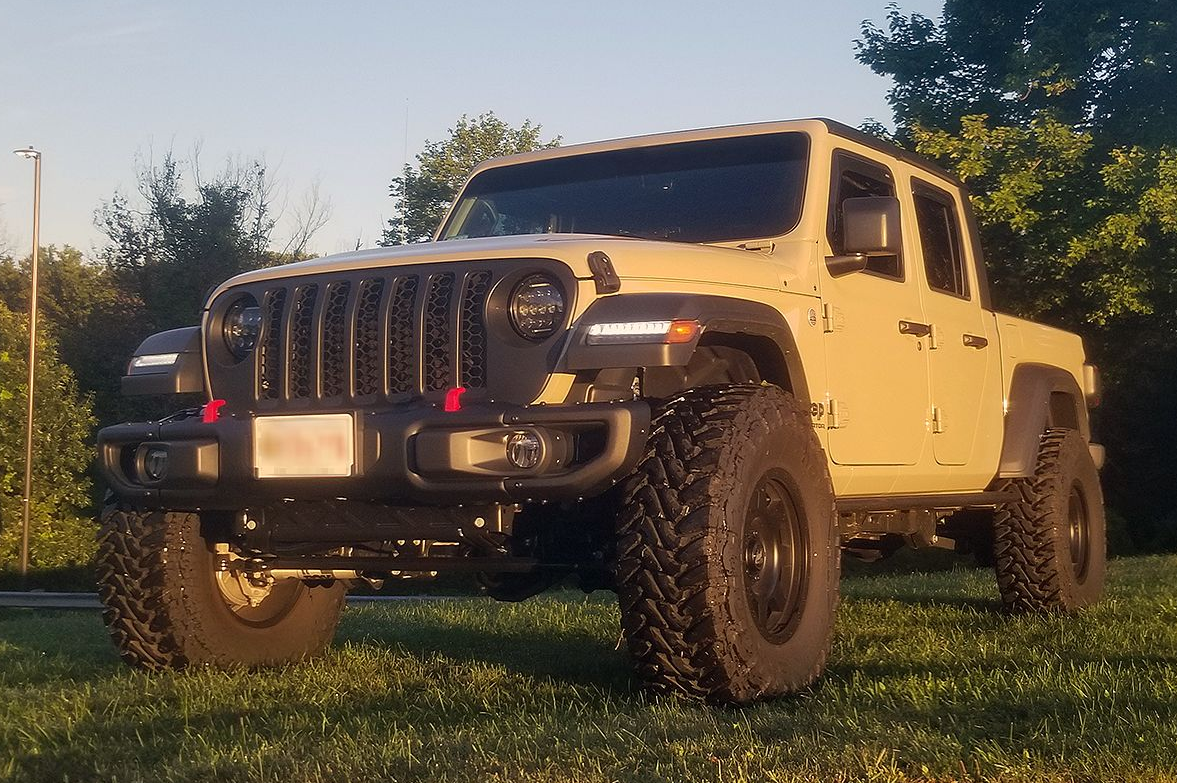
(26, 500)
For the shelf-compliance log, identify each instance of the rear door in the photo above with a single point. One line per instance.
(876, 358)
(964, 353)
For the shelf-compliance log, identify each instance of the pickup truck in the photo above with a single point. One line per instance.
(693, 368)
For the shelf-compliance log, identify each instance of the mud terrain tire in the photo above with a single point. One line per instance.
(733, 481)
(165, 607)
(1050, 542)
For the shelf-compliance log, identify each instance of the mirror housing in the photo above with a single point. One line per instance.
(870, 227)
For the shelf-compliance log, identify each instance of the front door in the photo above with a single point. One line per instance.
(876, 349)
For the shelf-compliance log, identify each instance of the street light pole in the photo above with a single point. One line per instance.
(26, 500)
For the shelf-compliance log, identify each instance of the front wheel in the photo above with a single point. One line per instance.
(727, 568)
(167, 605)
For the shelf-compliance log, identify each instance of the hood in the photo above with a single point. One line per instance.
(633, 258)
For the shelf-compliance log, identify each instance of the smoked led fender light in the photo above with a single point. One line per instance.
(631, 332)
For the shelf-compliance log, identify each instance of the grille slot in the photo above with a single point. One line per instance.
(360, 340)
(402, 337)
(366, 360)
(302, 330)
(473, 330)
(333, 351)
(438, 337)
(269, 362)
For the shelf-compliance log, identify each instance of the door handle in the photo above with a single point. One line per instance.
(915, 328)
(975, 341)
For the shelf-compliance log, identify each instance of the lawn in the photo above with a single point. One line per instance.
(928, 681)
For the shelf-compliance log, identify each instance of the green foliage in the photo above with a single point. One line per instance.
(1109, 66)
(62, 423)
(928, 680)
(168, 248)
(79, 301)
(423, 193)
(1071, 233)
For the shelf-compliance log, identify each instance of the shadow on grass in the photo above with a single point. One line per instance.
(69, 579)
(41, 647)
(573, 654)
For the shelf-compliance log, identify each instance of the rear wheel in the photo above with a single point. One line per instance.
(167, 606)
(1050, 542)
(727, 566)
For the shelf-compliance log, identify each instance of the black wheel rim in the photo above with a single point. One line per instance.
(1078, 532)
(775, 558)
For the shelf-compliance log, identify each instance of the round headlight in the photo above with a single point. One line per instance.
(242, 325)
(537, 307)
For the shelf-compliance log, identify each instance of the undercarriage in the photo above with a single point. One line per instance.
(515, 550)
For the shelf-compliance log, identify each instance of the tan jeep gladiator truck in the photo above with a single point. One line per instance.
(691, 367)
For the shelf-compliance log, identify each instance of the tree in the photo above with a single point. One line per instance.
(168, 251)
(311, 214)
(423, 193)
(91, 318)
(1060, 119)
(62, 423)
(1106, 66)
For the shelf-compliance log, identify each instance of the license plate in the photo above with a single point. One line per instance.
(304, 446)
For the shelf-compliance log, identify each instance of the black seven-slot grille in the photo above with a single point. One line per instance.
(363, 339)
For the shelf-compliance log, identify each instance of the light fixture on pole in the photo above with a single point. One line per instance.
(26, 499)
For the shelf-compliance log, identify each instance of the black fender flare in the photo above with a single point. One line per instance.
(184, 376)
(718, 315)
(1040, 396)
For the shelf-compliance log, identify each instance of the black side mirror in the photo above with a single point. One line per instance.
(870, 227)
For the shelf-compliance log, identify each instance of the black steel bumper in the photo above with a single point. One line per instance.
(413, 454)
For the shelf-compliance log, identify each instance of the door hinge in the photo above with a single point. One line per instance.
(831, 318)
(937, 420)
(838, 415)
(933, 338)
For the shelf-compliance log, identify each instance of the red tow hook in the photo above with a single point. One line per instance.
(453, 399)
(211, 411)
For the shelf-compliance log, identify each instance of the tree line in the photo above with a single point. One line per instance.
(179, 233)
(1060, 118)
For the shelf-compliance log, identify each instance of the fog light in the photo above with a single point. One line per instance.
(524, 450)
(155, 463)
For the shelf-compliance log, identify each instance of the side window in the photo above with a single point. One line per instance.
(935, 214)
(855, 177)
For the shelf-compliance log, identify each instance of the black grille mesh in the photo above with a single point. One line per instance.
(302, 329)
(334, 349)
(269, 361)
(362, 339)
(473, 343)
(438, 333)
(367, 346)
(402, 336)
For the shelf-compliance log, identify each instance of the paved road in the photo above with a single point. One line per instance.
(40, 600)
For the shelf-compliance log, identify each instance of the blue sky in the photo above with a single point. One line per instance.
(322, 91)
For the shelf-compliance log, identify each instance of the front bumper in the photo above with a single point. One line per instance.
(412, 454)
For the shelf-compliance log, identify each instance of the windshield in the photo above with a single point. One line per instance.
(717, 190)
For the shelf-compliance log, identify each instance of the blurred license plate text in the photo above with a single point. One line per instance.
(303, 446)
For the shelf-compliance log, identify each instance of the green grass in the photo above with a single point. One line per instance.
(928, 681)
